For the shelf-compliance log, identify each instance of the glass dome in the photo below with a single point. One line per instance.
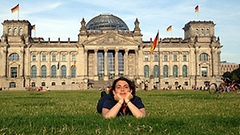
(106, 22)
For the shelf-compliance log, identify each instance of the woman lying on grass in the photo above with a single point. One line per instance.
(121, 100)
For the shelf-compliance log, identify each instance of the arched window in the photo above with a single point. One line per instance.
(146, 71)
(165, 71)
(14, 57)
(156, 71)
(73, 71)
(204, 57)
(43, 84)
(33, 71)
(54, 71)
(196, 31)
(20, 31)
(63, 71)
(44, 72)
(53, 83)
(207, 31)
(175, 71)
(184, 71)
(9, 31)
(15, 31)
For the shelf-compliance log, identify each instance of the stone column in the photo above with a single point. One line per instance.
(86, 63)
(105, 65)
(136, 63)
(95, 67)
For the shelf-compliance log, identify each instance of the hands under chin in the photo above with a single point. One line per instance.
(120, 99)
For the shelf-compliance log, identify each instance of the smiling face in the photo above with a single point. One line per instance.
(122, 88)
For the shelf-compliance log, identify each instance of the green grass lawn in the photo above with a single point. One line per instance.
(74, 112)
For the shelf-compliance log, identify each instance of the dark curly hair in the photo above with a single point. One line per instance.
(130, 83)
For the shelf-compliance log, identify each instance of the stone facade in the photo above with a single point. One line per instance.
(99, 56)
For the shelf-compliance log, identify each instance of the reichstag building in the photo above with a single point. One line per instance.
(106, 49)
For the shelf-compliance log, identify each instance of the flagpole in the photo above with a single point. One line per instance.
(159, 84)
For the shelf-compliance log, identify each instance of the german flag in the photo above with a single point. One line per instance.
(169, 28)
(16, 8)
(33, 27)
(155, 42)
(196, 9)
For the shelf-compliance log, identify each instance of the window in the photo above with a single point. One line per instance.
(204, 71)
(156, 71)
(202, 31)
(9, 31)
(175, 71)
(184, 57)
(63, 83)
(63, 57)
(54, 71)
(34, 58)
(156, 58)
(184, 71)
(165, 58)
(12, 85)
(43, 84)
(20, 31)
(53, 57)
(196, 31)
(63, 71)
(111, 64)
(15, 31)
(174, 57)
(73, 71)
(14, 57)
(120, 63)
(13, 72)
(146, 71)
(44, 58)
(33, 71)
(145, 58)
(186, 83)
(33, 84)
(53, 83)
(100, 65)
(44, 71)
(165, 71)
(203, 57)
(73, 57)
(207, 31)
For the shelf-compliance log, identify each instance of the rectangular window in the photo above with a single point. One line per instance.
(165, 58)
(146, 58)
(73, 57)
(34, 58)
(44, 58)
(204, 71)
(156, 58)
(53, 57)
(13, 72)
(174, 57)
(184, 58)
(64, 58)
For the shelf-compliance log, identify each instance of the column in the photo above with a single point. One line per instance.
(105, 65)
(95, 67)
(136, 63)
(86, 63)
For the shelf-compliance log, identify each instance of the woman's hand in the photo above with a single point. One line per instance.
(128, 97)
(118, 98)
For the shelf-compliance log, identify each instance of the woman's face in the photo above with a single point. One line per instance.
(122, 88)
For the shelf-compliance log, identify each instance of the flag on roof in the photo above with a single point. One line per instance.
(169, 28)
(155, 42)
(16, 8)
(197, 9)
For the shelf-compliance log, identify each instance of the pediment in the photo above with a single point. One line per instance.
(111, 39)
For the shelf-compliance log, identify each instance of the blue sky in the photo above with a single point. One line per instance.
(61, 18)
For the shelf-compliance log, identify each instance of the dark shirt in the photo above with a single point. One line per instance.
(108, 102)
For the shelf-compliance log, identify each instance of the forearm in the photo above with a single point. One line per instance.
(112, 112)
(138, 113)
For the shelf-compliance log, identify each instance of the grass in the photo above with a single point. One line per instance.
(74, 112)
